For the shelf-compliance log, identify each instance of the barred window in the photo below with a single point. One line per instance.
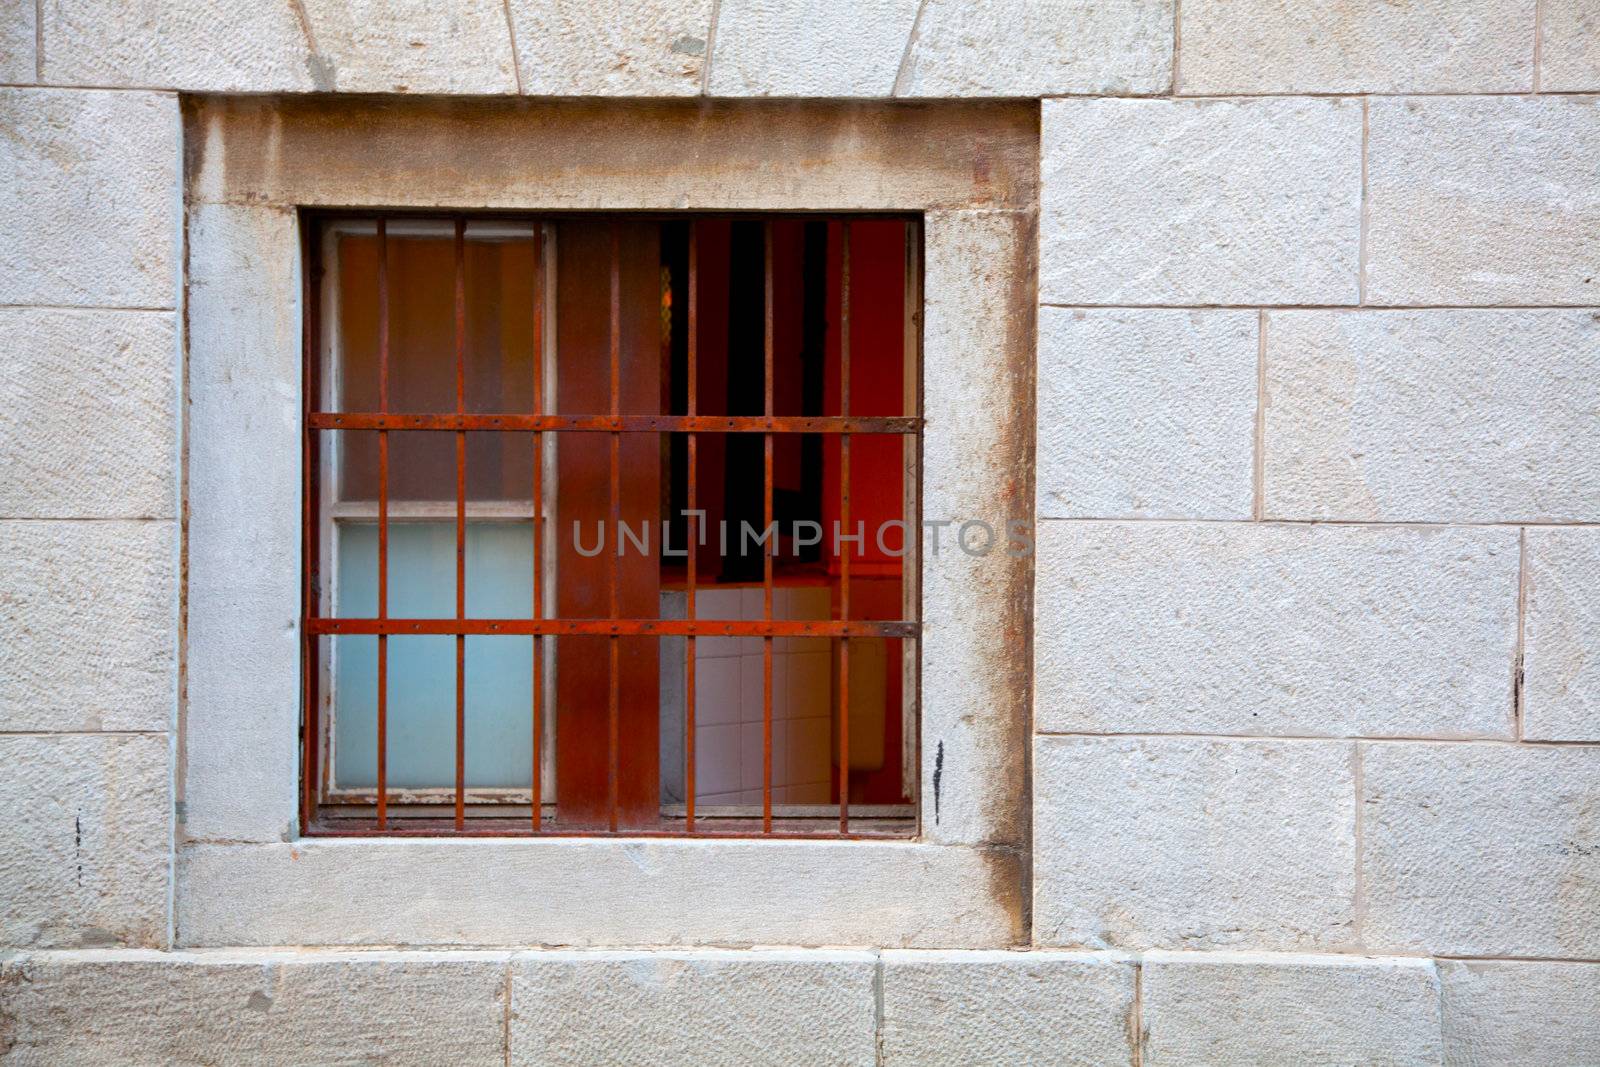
(611, 524)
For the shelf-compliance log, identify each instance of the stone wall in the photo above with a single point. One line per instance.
(1316, 695)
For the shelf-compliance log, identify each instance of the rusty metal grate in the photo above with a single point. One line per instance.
(389, 816)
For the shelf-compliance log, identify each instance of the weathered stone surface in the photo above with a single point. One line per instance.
(1248, 629)
(254, 1006)
(1491, 200)
(85, 845)
(1146, 414)
(977, 399)
(1438, 416)
(92, 218)
(1516, 1014)
(1204, 1009)
(1570, 50)
(1200, 202)
(18, 42)
(1039, 48)
(711, 1008)
(809, 48)
(88, 613)
(611, 47)
(192, 45)
(1288, 46)
(243, 656)
(86, 413)
(630, 155)
(1561, 636)
(589, 892)
(1481, 850)
(961, 1008)
(411, 46)
(1193, 843)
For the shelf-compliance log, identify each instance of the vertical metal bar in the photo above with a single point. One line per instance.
(613, 681)
(538, 529)
(768, 545)
(691, 526)
(310, 453)
(383, 523)
(461, 524)
(844, 514)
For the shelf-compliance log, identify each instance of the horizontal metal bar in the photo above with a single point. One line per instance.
(372, 420)
(615, 627)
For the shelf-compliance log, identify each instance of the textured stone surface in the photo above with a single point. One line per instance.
(1146, 414)
(1351, 46)
(738, 1009)
(1561, 636)
(250, 1006)
(809, 47)
(92, 218)
(960, 1008)
(1481, 850)
(1200, 202)
(1484, 201)
(192, 45)
(86, 413)
(243, 656)
(1039, 48)
(88, 613)
(1437, 416)
(1570, 52)
(411, 46)
(1260, 1009)
(1193, 843)
(85, 845)
(977, 399)
(18, 41)
(587, 892)
(1244, 629)
(667, 154)
(1505, 1014)
(611, 47)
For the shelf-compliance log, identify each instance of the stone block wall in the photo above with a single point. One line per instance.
(1315, 770)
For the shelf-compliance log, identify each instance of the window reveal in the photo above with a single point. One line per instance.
(537, 450)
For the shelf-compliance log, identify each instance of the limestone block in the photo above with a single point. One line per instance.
(211, 46)
(739, 1009)
(1241, 628)
(86, 413)
(93, 216)
(960, 1008)
(254, 1006)
(18, 42)
(1201, 1009)
(809, 47)
(1519, 1014)
(1200, 202)
(1570, 48)
(1433, 416)
(1561, 636)
(1481, 850)
(86, 843)
(1483, 200)
(90, 623)
(592, 893)
(1040, 48)
(611, 47)
(1288, 46)
(1193, 843)
(1146, 414)
(412, 46)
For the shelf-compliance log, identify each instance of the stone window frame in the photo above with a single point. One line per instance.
(244, 875)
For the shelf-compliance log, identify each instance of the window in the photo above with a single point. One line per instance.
(610, 524)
